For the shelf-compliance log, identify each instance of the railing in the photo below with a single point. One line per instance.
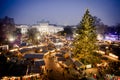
(26, 77)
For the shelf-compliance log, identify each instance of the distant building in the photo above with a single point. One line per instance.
(24, 28)
(7, 27)
(43, 27)
(7, 20)
(46, 28)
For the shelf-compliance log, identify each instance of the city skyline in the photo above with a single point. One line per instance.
(62, 12)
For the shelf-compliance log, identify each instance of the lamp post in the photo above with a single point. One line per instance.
(106, 50)
(11, 40)
(38, 38)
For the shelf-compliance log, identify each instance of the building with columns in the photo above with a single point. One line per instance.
(46, 28)
(43, 27)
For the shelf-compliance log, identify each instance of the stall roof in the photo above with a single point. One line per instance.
(39, 62)
(61, 59)
(34, 55)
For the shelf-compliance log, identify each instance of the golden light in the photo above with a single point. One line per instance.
(12, 50)
(38, 37)
(11, 39)
(58, 65)
(99, 37)
(101, 52)
(112, 55)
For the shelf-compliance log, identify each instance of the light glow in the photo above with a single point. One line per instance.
(99, 37)
(11, 39)
(112, 55)
(38, 37)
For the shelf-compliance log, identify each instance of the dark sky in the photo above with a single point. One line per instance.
(65, 12)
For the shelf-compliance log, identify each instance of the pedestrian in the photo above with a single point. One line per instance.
(84, 74)
(47, 70)
(63, 73)
(90, 73)
(51, 70)
(97, 77)
(94, 76)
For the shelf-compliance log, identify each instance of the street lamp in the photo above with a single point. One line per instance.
(11, 39)
(99, 37)
(38, 37)
(107, 50)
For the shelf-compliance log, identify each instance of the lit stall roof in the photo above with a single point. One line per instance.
(39, 62)
(34, 55)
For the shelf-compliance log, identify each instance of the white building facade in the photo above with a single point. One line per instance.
(46, 28)
(24, 28)
(42, 27)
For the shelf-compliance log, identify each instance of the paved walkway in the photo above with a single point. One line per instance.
(57, 72)
(91, 70)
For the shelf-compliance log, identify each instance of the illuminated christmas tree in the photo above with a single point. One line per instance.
(84, 43)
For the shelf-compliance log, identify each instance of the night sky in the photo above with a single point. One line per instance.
(63, 12)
